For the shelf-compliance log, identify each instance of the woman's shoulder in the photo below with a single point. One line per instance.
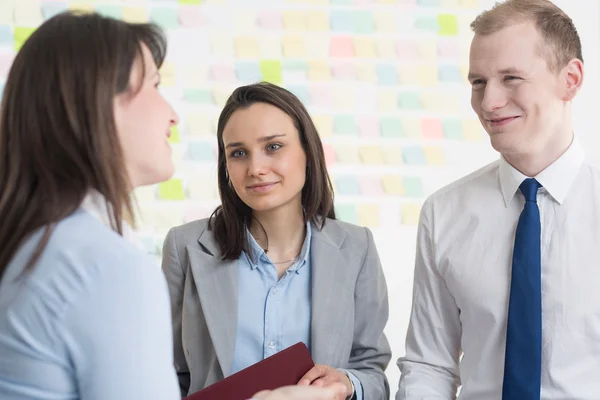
(190, 231)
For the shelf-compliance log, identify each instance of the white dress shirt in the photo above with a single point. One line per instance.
(457, 332)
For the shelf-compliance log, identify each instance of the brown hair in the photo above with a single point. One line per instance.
(555, 26)
(230, 220)
(58, 138)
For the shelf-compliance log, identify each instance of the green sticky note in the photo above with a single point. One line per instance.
(171, 190)
(271, 71)
(409, 100)
(174, 138)
(453, 129)
(448, 25)
(346, 213)
(413, 186)
(345, 125)
(189, 2)
(109, 11)
(165, 17)
(391, 127)
(427, 23)
(21, 33)
(363, 22)
(198, 96)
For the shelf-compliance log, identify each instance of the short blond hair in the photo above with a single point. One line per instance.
(556, 28)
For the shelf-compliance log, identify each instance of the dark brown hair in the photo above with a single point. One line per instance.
(230, 220)
(58, 138)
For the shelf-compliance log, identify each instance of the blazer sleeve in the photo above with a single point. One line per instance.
(371, 351)
(175, 274)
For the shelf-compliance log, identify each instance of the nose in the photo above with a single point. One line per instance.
(174, 117)
(258, 164)
(494, 98)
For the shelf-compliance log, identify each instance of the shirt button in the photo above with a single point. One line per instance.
(271, 345)
(275, 290)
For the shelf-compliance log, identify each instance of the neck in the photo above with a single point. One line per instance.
(281, 232)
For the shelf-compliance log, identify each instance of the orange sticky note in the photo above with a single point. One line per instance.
(341, 46)
(432, 128)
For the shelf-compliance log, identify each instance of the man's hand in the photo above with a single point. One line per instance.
(334, 391)
(323, 376)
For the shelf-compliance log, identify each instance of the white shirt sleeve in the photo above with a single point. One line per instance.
(430, 368)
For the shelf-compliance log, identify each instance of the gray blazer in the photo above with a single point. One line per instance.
(349, 305)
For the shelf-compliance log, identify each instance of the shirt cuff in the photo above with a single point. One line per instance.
(358, 389)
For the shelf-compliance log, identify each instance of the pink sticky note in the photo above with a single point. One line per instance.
(370, 186)
(341, 46)
(5, 63)
(368, 126)
(448, 48)
(191, 17)
(320, 96)
(406, 49)
(329, 154)
(270, 20)
(432, 128)
(343, 70)
(222, 72)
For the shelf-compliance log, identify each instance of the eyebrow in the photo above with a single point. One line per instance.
(510, 70)
(262, 139)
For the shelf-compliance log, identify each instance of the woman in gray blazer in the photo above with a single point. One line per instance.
(272, 266)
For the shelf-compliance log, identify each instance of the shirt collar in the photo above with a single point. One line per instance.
(556, 179)
(258, 254)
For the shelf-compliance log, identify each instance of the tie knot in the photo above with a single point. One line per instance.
(529, 188)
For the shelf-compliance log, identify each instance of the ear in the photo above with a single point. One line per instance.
(573, 79)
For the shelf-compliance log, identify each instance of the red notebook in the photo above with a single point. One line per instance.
(281, 369)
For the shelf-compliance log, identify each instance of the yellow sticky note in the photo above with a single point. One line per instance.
(195, 76)
(317, 21)
(246, 47)
(244, 20)
(271, 71)
(270, 47)
(220, 95)
(171, 190)
(135, 14)
(409, 213)
(28, 13)
(428, 75)
(167, 74)
(368, 215)
(347, 154)
(294, 20)
(385, 22)
(189, 2)
(81, 6)
(427, 50)
(385, 48)
(411, 127)
(363, 47)
(434, 155)
(408, 75)
(319, 71)
(174, 138)
(21, 34)
(366, 72)
(344, 98)
(387, 100)
(222, 46)
(371, 155)
(472, 129)
(197, 124)
(448, 25)
(392, 155)
(324, 125)
(392, 184)
(469, 3)
(293, 47)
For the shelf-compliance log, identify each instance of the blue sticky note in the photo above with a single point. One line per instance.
(409, 100)
(428, 2)
(345, 125)
(346, 213)
(453, 129)
(198, 96)
(49, 10)
(200, 151)
(248, 72)
(363, 22)
(167, 18)
(347, 185)
(301, 92)
(449, 73)
(109, 11)
(414, 155)
(6, 35)
(341, 21)
(413, 186)
(391, 127)
(387, 74)
(427, 23)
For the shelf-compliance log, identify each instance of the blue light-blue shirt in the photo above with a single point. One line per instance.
(273, 314)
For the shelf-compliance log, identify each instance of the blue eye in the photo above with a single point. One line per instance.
(238, 153)
(274, 146)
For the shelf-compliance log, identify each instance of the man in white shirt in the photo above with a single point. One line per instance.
(506, 297)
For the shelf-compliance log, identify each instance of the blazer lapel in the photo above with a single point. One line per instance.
(217, 284)
(327, 267)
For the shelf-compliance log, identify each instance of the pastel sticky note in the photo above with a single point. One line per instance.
(222, 46)
(319, 71)
(293, 47)
(387, 74)
(248, 72)
(432, 101)
(409, 214)
(341, 21)
(363, 22)
(167, 74)
(135, 14)
(347, 154)
(449, 73)
(296, 70)
(392, 155)
(414, 155)
(426, 23)
(449, 48)
(174, 138)
(447, 25)
(385, 48)
(427, 50)
(171, 190)
(203, 96)
(324, 124)
(6, 36)
(341, 46)
(109, 11)
(385, 22)
(370, 186)
(391, 127)
(270, 20)
(167, 18)
(220, 95)
(368, 125)
(366, 72)
(329, 154)
(317, 21)
(343, 70)
(408, 74)
(200, 151)
(432, 128)
(191, 17)
(344, 125)
(49, 10)
(347, 185)
(321, 96)
(244, 20)
(409, 100)
(406, 49)
(301, 92)
(368, 215)
(469, 3)
(413, 186)
(434, 155)
(189, 2)
(370, 155)
(197, 124)
(28, 13)
(346, 213)
(222, 72)
(294, 20)
(246, 47)
(21, 34)
(472, 129)
(452, 129)
(412, 127)
(392, 185)
(271, 71)
(81, 6)
(364, 47)
(317, 46)
(6, 12)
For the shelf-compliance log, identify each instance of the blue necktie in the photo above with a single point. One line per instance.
(522, 368)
